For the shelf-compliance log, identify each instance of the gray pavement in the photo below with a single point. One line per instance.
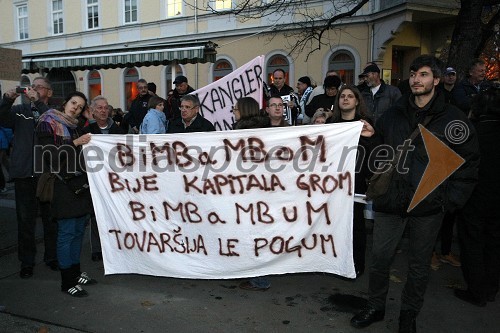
(136, 303)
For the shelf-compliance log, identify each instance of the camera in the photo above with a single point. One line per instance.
(20, 90)
(286, 99)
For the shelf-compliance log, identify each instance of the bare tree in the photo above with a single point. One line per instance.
(310, 23)
(477, 23)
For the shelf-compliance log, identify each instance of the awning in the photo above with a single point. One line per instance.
(121, 59)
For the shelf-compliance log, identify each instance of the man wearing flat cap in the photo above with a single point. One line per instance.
(174, 96)
(379, 96)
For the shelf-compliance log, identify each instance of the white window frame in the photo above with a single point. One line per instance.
(57, 14)
(176, 7)
(88, 5)
(128, 12)
(221, 5)
(22, 22)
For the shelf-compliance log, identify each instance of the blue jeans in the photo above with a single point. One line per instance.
(26, 211)
(260, 282)
(387, 232)
(69, 240)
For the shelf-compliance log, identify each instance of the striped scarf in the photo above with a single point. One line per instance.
(58, 124)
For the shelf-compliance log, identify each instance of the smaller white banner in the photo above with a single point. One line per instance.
(218, 98)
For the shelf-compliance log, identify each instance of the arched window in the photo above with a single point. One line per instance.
(168, 76)
(63, 83)
(94, 79)
(277, 61)
(343, 63)
(221, 67)
(130, 78)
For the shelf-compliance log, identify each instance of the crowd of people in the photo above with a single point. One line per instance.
(390, 115)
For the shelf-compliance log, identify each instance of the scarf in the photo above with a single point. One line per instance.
(57, 123)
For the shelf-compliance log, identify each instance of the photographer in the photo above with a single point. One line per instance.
(326, 101)
(22, 118)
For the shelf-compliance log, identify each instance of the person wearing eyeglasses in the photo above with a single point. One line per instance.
(274, 110)
(190, 120)
(22, 118)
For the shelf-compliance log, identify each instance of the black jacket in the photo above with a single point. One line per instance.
(199, 124)
(94, 129)
(377, 104)
(365, 147)
(138, 110)
(484, 199)
(252, 122)
(172, 110)
(321, 101)
(464, 91)
(395, 126)
(20, 119)
(67, 161)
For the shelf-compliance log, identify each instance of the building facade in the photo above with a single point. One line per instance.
(105, 46)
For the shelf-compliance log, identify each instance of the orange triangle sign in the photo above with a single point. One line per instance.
(443, 162)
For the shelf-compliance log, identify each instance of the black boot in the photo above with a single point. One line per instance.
(366, 317)
(407, 321)
(68, 284)
(81, 277)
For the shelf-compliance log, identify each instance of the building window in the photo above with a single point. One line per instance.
(221, 68)
(57, 17)
(174, 8)
(343, 63)
(22, 21)
(277, 62)
(168, 74)
(63, 82)
(131, 76)
(92, 14)
(130, 11)
(94, 80)
(223, 4)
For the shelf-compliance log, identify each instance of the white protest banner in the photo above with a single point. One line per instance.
(226, 204)
(218, 98)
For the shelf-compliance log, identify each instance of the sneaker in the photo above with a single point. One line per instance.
(451, 259)
(435, 263)
(76, 291)
(85, 280)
